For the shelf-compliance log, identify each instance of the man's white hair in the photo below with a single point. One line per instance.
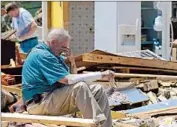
(58, 34)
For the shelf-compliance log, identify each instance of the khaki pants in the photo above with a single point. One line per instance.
(90, 100)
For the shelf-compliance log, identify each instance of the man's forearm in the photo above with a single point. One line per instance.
(32, 29)
(92, 76)
(74, 78)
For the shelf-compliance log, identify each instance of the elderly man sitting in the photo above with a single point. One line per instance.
(49, 89)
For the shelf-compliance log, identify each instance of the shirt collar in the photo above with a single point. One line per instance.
(46, 47)
(43, 46)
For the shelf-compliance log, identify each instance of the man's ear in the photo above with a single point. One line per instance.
(53, 42)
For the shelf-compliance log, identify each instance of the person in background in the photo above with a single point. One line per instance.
(25, 26)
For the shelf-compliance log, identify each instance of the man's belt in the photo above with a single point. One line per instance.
(35, 99)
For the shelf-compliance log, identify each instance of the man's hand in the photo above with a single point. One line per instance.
(13, 38)
(22, 38)
(12, 108)
(17, 108)
(108, 75)
(19, 105)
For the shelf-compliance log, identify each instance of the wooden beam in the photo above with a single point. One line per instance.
(154, 112)
(25, 118)
(10, 34)
(118, 115)
(124, 75)
(138, 68)
(9, 67)
(4, 123)
(115, 115)
(124, 125)
(107, 59)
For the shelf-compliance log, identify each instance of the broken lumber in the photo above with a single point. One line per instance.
(9, 67)
(127, 69)
(57, 120)
(159, 77)
(89, 59)
(10, 34)
(125, 75)
(123, 125)
(155, 112)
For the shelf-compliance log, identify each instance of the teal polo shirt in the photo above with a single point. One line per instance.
(41, 70)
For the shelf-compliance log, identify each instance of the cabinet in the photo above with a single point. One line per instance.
(148, 15)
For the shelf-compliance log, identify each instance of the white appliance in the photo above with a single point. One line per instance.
(117, 26)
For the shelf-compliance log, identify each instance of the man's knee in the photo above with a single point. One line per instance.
(100, 89)
(97, 87)
(81, 85)
(97, 90)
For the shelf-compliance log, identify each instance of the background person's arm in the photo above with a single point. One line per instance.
(32, 29)
(30, 24)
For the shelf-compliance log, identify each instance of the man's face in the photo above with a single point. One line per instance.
(61, 47)
(13, 13)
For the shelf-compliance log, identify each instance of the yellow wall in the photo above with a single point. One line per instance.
(58, 15)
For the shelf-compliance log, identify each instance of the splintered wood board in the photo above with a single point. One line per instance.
(130, 75)
(25, 118)
(154, 112)
(89, 59)
(125, 75)
(9, 67)
(137, 68)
